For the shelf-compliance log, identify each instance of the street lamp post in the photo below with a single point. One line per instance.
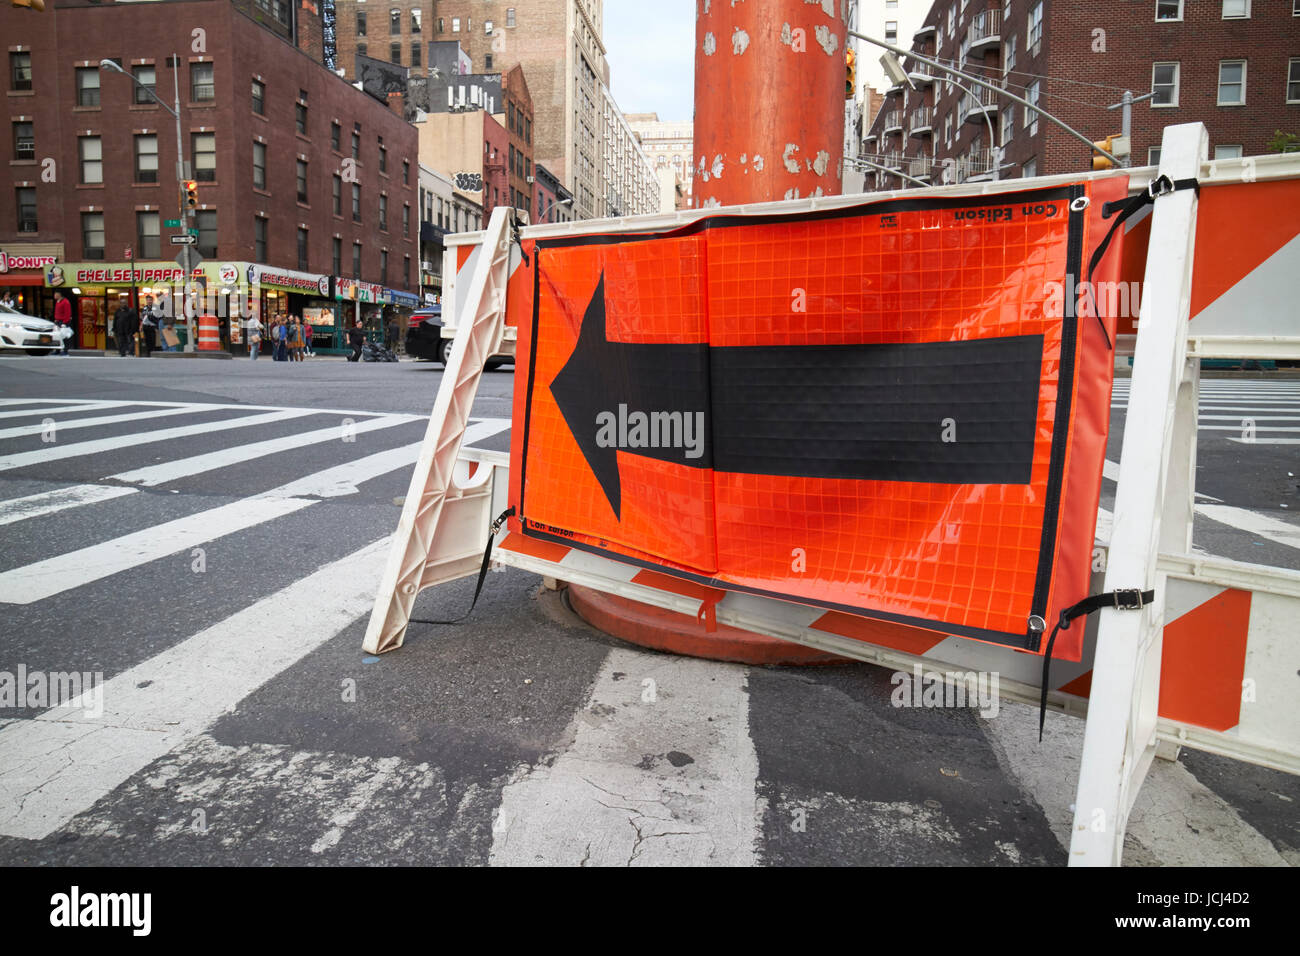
(993, 140)
(554, 206)
(884, 169)
(180, 179)
(899, 51)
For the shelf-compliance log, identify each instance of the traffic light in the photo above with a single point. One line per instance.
(30, 4)
(1099, 161)
(191, 194)
(850, 73)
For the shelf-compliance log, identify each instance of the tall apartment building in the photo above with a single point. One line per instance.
(302, 180)
(668, 146)
(1233, 65)
(580, 135)
(891, 20)
(392, 30)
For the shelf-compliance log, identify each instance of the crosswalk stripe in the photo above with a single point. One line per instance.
(51, 502)
(64, 409)
(64, 572)
(21, 431)
(185, 467)
(226, 406)
(58, 765)
(54, 452)
(1252, 522)
(343, 479)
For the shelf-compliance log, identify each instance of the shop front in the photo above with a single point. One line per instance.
(22, 276)
(286, 292)
(397, 315)
(94, 288)
(359, 300)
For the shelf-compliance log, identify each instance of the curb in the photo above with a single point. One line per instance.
(663, 630)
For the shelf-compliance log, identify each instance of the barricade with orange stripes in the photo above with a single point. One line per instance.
(1208, 664)
(209, 334)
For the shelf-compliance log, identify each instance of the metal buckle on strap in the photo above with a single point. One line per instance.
(1129, 598)
(1162, 185)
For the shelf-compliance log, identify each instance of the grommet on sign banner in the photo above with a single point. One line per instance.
(1080, 204)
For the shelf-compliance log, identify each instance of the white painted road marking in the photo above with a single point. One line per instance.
(1252, 522)
(60, 499)
(57, 452)
(21, 431)
(64, 409)
(58, 765)
(647, 781)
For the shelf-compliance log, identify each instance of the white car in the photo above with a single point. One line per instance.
(20, 331)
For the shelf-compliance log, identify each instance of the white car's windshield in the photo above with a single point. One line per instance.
(8, 311)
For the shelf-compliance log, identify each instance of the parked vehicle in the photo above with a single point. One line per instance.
(427, 338)
(21, 331)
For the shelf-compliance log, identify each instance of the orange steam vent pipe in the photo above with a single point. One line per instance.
(769, 100)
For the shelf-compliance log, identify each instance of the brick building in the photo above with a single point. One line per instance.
(301, 177)
(395, 31)
(553, 203)
(1233, 65)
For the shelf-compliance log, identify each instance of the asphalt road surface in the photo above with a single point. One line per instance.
(208, 536)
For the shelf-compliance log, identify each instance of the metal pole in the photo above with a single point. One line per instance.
(899, 51)
(993, 140)
(886, 169)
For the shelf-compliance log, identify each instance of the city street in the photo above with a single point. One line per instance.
(209, 536)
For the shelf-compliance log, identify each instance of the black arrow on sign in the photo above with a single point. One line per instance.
(960, 412)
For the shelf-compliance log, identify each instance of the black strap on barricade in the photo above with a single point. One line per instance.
(1124, 598)
(482, 571)
(1160, 186)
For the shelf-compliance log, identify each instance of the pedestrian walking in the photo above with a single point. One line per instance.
(148, 328)
(295, 339)
(125, 324)
(307, 333)
(63, 317)
(356, 339)
(280, 338)
(254, 327)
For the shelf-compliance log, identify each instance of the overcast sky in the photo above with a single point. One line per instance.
(651, 53)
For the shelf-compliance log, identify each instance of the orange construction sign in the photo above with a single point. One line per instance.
(893, 410)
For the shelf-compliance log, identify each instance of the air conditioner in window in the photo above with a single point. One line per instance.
(530, 180)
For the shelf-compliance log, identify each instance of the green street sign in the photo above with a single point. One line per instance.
(192, 231)
(172, 223)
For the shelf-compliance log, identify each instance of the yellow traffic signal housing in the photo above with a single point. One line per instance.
(850, 74)
(191, 194)
(1099, 161)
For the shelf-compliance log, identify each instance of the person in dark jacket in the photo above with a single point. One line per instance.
(356, 339)
(125, 325)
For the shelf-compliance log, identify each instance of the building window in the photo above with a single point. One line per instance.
(383, 213)
(147, 236)
(1031, 116)
(510, 16)
(356, 145)
(206, 221)
(1034, 36)
(487, 62)
(1164, 81)
(259, 165)
(20, 71)
(146, 158)
(1008, 125)
(416, 14)
(302, 181)
(406, 171)
(203, 148)
(1227, 152)
(487, 27)
(415, 53)
(1293, 78)
(1153, 156)
(383, 156)
(336, 256)
(406, 218)
(383, 267)
(356, 260)
(87, 86)
(406, 272)
(90, 150)
(202, 87)
(147, 77)
(455, 24)
(24, 141)
(395, 53)
(1169, 9)
(259, 98)
(1236, 9)
(361, 49)
(338, 195)
(440, 25)
(335, 133)
(302, 249)
(361, 23)
(356, 202)
(26, 203)
(300, 118)
(1232, 83)
(891, 31)
(395, 21)
(92, 235)
(1030, 168)
(259, 238)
